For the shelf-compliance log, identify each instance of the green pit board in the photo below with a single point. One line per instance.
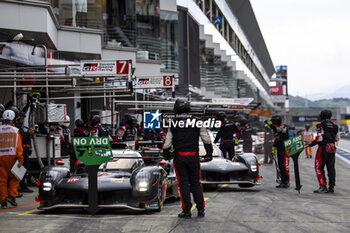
(92, 150)
(294, 145)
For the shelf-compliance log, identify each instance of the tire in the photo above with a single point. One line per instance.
(160, 197)
(246, 185)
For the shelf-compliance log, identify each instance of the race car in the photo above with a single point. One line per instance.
(244, 170)
(124, 182)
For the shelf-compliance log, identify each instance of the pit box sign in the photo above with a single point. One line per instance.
(154, 82)
(104, 68)
(92, 150)
(294, 145)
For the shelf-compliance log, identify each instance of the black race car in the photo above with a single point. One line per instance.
(124, 182)
(244, 170)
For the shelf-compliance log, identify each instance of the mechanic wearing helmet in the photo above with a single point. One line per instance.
(225, 133)
(128, 132)
(281, 134)
(10, 151)
(327, 136)
(26, 135)
(186, 162)
(97, 128)
(308, 137)
(80, 130)
(66, 140)
(2, 109)
(246, 134)
(15, 110)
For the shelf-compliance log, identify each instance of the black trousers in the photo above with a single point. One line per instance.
(268, 152)
(283, 163)
(26, 153)
(228, 148)
(188, 175)
(325, 159)
(247, 146)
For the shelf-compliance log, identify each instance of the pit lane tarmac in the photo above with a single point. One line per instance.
(229, 208)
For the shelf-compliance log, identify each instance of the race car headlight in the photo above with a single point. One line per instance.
(47, 186)
(142, 181)
(142, 186)
(253, 168)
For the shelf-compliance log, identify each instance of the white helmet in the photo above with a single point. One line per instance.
(9, 115)
(66, 123)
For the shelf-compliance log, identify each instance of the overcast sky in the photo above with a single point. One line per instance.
(311, 37)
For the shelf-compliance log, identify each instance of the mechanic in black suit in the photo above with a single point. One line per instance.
(281, 134)
(186, 162)
(225, 133)
(246, 134)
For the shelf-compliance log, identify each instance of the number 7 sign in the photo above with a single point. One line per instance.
(122, 67)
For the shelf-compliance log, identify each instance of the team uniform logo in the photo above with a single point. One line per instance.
(152, 120)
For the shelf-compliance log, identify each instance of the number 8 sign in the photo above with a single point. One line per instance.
(167, 81)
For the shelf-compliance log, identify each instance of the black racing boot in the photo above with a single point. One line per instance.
(201, 213)
(321, 189)
(12, 200)
(330, 190)
(4, 205)
(185, 214)
(283, 185)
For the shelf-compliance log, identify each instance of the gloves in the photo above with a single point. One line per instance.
(268, 122)
(274, 150)
(313, 143)
(236, 141)
(168, 154)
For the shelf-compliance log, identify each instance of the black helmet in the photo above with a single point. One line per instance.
(325, 114)
(2, 108)
(276, 120)
(182, 106)
(244, 121)
(21, 114)
(14, 109)
(79, 123)
(95, 120)
(221, 116)
(307, 126)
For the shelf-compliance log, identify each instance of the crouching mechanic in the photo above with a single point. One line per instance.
(184, 139)
(10, 151)
(327, 136)
(281, 134)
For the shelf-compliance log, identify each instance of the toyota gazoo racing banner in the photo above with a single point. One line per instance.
(154, 82)
(106, 68)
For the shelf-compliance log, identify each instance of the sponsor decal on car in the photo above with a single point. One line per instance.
(72, 180)
(152, 205)
(117, 180)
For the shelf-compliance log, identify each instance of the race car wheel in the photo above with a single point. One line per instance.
(245, 185)
(160, 197)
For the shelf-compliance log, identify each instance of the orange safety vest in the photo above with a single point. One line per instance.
(308, 136)
(10, 142)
